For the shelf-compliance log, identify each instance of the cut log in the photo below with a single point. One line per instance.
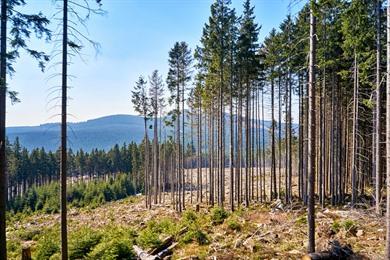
(165, 244)
(167, 251)
(143, 255)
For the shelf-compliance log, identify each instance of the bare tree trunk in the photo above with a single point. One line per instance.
(178, 148)
(289, 186)
(312, 131)
(199, 166)
(156, 165)
(263, 143)
(247, 148)
(273, 164)
(63, 172)
(300, 144)
(231, 145)
(388, 136)
(183, 151)
(191, 154)
(239, 150)
(3, 161)
(354, 133)
(280, 135)
(378, 113)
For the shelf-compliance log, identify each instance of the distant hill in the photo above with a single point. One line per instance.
(101, 133)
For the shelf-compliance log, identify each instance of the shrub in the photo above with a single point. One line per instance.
(83, 242)
(150, 236)
(335, 227)
(29, 234)
(189, 217)
(233, 224)
(196, 235)
(14, 248)
(218, 215)
(113, 249)
(47, 246)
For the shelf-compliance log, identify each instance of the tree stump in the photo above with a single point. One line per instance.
(26, 253)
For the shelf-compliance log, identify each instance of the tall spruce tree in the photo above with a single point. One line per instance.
(141, 103)
(16, 28)
(156, 93)
(179, 75)
(248, 62)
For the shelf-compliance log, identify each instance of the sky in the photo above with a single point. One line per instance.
(135, 37)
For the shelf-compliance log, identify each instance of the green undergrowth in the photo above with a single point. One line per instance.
(108, 243)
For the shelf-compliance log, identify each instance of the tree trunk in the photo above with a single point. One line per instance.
(3, 162)
(388, 136)
(312, 131)
(378, 114)
(156, 150)
(354, 133)
(273, 164)
(231, 145)
(64, 232)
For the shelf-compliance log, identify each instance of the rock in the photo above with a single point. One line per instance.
(359, 233)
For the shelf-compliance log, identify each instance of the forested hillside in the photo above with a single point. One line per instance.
(100, 133)
(214, 165)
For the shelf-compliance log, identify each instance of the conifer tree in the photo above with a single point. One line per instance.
(249, 69)
(312, 130)
(156, 93)
(141, 103)
(16, 28)
(179, 75)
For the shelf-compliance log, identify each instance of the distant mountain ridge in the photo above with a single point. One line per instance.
(100, 133)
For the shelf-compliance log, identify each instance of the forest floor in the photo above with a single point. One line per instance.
(262, 231)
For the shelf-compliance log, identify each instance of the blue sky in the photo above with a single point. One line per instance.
(135, 37)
